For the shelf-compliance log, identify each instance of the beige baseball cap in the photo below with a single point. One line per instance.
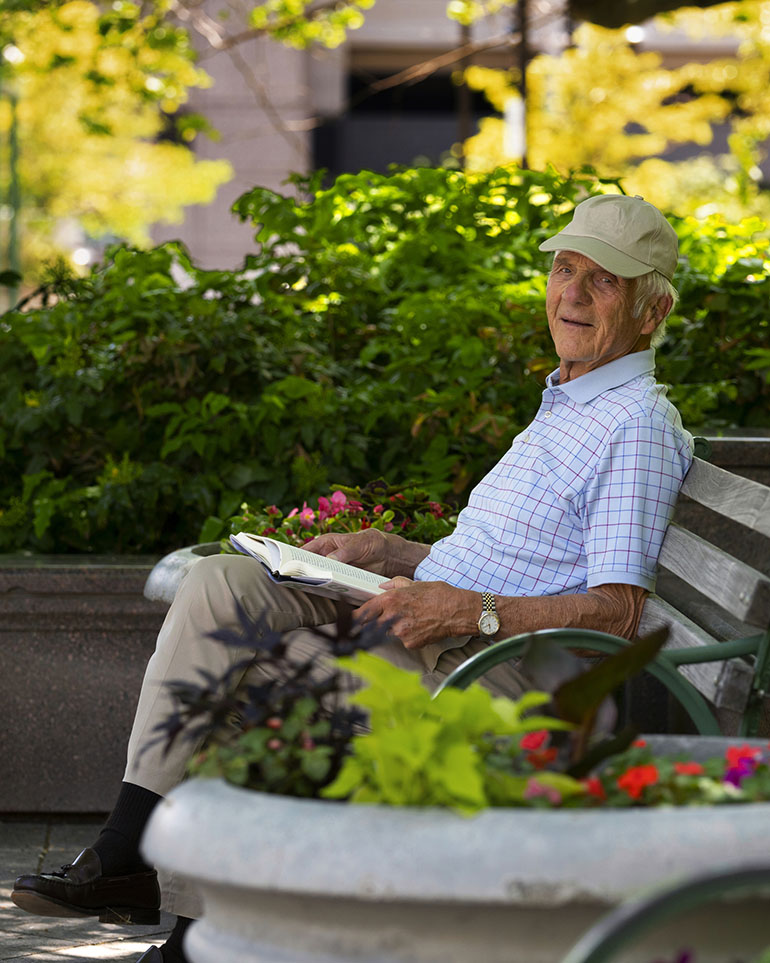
(625, 235)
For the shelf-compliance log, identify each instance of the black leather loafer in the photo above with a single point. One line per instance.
(153, 955)
(80, 890)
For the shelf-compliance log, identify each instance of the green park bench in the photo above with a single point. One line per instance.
(716, 661)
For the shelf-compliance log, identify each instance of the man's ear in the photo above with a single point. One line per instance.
(657, 313)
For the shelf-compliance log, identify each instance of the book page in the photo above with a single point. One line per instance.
(298, 561)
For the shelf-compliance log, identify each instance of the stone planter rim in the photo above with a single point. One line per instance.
(511, 856)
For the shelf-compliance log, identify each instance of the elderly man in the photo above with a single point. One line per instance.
(564, 531)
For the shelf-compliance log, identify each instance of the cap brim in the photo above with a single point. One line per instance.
(604, 254)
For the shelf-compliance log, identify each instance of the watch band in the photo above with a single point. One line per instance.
(489, 620)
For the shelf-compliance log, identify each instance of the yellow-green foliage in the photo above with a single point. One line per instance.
(434, 752)
(601, 103)
(92, 93)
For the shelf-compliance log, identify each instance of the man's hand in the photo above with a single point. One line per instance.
(419, 613)
(380, 552)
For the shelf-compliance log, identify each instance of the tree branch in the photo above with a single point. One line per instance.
(419, 71)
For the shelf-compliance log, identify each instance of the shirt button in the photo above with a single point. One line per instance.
(548, 414)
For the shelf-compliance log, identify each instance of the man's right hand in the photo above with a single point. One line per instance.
(381, 552)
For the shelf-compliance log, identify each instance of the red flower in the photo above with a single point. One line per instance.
(639, 743)
(534, 740)
(595, 788)
(634, 780)
(688, 768)
(541, 759)
(735, 755)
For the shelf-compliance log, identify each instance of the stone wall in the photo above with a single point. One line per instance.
(75, 637)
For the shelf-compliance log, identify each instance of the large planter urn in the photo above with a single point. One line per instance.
(287, 880)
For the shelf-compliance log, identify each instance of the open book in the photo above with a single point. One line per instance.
(298, 568)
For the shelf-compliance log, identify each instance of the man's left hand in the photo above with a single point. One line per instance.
(422, 612)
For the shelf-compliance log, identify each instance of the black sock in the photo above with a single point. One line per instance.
(172, 951)
(118, 842)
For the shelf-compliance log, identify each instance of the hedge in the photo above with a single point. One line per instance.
(387, 326)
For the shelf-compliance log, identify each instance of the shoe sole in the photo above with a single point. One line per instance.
(46, 906)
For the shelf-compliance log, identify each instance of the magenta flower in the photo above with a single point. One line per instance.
(339, 501)
(324, 508)
(378, 509)
(306, 516)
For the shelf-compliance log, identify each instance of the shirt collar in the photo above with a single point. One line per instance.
(607, 376)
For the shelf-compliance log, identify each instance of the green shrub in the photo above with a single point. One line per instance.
(388, 326)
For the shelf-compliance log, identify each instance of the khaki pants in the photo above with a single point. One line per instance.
(207, 601)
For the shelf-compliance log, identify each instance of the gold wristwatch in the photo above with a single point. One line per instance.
(489, 621)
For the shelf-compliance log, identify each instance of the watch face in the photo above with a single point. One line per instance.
(489, 623)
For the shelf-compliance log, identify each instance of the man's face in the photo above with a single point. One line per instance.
(589, 315)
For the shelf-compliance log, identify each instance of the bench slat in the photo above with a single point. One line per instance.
(722, 683)
(738, 588)
(739, 499)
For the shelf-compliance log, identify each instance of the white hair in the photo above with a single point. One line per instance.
(648, 289)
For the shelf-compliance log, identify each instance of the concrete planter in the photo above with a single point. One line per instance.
(166, 576)
(303, 881)
(75, 637)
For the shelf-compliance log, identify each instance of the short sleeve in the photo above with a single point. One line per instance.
(630, 500)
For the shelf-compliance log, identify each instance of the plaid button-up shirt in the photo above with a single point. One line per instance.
(582, 497)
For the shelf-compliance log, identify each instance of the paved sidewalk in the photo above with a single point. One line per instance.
(35, 846)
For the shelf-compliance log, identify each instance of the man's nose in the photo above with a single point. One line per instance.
(577, 289)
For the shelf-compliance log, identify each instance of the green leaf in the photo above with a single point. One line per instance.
(212, 530)
(581, 696)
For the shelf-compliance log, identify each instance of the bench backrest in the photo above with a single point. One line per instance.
(706, 595)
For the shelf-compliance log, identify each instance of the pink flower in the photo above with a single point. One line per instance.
(306, 516)
(378, 509)
(388, 526)
(324, 508)
(535, 789)
(354, 506)
(293, 512)
(339, 501)
(272, 510)
(436, 509)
